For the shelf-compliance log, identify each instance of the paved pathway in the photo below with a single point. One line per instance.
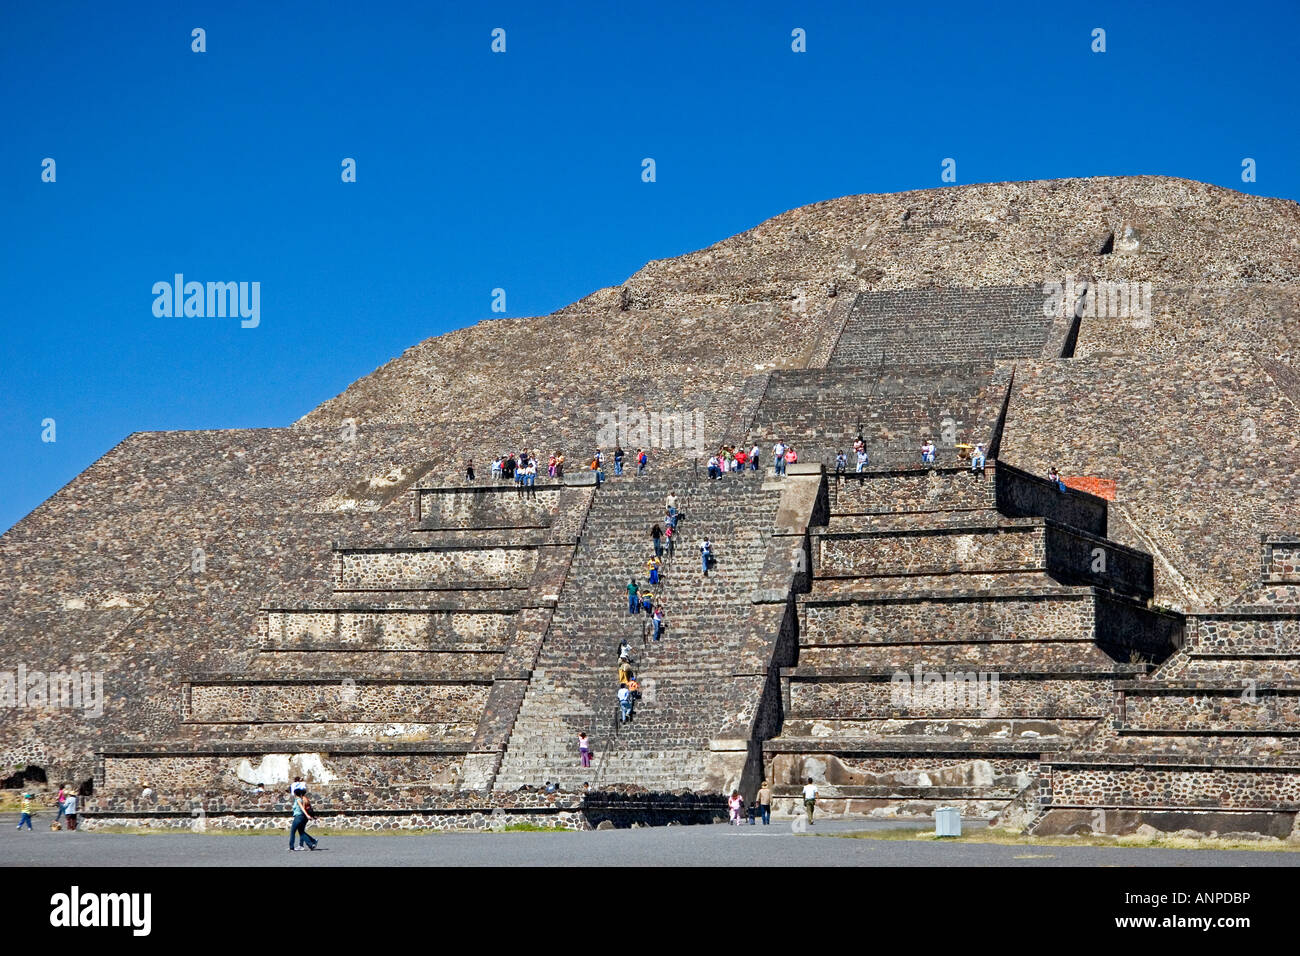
(775, 845)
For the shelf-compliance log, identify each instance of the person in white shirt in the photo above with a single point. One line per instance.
(778, 457)
(810, 799)
(753, 458)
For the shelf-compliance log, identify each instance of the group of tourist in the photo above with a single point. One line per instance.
(65, 804)
(519, 467)
(729, 458)
(522, 467)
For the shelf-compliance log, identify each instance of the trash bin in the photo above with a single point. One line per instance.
(947, 822)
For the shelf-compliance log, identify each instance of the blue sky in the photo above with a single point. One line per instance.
(520, 170)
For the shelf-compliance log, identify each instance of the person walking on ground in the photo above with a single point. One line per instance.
(735, 803)
(810, 799)
(70, 809)
(301, 815)
(60, 802)
(633, 605)
(765, 803)
(657, 534)
(29, 807)
(584, 750)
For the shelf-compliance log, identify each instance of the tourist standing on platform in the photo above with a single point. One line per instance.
(584, 750)
(791, 457)
(862, 460)
(977, 459)
(810, 799)
(778, 457)
(633, 604)
(841, 463)
(754, 454)
(927, 452)
(765, 803)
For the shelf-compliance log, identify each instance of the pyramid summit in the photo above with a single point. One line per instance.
(336, 600)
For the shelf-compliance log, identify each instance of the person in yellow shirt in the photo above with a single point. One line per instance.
(29, 807)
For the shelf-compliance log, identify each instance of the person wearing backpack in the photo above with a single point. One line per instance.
(641, 461)
(301, 815)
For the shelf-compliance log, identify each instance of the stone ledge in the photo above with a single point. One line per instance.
(224, 748)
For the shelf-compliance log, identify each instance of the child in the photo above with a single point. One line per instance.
(736, 803)
(29, 807)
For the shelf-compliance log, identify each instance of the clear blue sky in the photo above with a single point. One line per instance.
(522, 171)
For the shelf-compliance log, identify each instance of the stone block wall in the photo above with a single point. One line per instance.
(1220, 787)
(938, 325)
(1232, 709)
(1020, 494)
(1078, 558)
(386, 630)
(1010, 696)
(1243, 633)
(907, 490)
(355, 701)
(486, 506)
(195, 773)
(417, 569)
(1008, 549)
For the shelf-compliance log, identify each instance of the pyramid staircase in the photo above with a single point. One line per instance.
(1210, 742)
(958, 629)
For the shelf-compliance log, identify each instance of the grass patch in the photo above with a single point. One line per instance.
(1009, 838)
